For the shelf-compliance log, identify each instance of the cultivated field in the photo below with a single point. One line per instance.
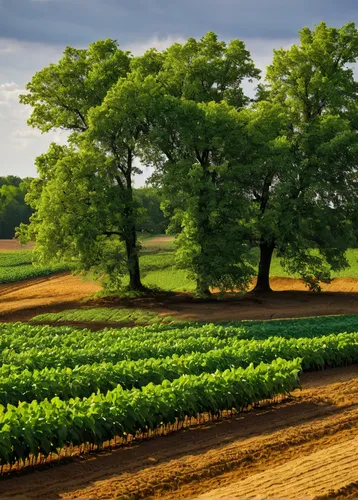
(203, 410)
(181, 438)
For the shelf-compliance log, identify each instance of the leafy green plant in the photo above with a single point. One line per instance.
(40, 428)
(16, 266)
(81, 381)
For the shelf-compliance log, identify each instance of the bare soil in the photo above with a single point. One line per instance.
(13, 245)
(23, 300)
(305, 447)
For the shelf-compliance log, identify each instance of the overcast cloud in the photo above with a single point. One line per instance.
(34, 33)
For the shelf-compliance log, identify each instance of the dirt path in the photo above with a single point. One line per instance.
(286, 449)
(23, 300)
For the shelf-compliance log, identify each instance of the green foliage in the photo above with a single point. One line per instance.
(37, 347)
(102, 314)
(153, 219)
(62, 94)
(47, 426)
(86, 186)
(205, 70)
(16, 266)
(13, 209)
(310, 204)
(76, 209)
(279, 173)
(205, 199)
(66, 383)
(154, 376)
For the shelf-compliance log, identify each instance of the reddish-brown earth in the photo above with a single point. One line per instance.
(302, 448)
(25, 299)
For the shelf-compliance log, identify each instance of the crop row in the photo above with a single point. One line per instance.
(18, 337)
(123, 349)
(43, 427)
(15, 266)
(297, 328)
(72, 356)
(81, 381)
(53, 337)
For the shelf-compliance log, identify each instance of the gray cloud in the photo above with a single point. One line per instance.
(82, 21)
(33, 33)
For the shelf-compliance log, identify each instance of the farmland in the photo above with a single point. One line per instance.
(218, 405)
(222, 363)
(219, 362)
(18, 265)
(245, 397)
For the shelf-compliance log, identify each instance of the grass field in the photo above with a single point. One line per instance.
(17, 265)
(159, 270)
(157, 266)
(104, 314)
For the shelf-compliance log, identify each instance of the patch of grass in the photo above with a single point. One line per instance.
(17, 266)
(159, 270)
(102, 314)
(157, 262)
(349, 272)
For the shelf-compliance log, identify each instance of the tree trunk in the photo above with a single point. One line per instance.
(135, 283)
(263, 277)
(202, 290)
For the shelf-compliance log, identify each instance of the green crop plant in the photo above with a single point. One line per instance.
(39, 428)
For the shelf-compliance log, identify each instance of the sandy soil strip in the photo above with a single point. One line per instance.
(32, 296)
(25, 299)
(319, 473)
(14, 245)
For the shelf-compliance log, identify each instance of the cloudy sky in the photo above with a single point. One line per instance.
(33, 33)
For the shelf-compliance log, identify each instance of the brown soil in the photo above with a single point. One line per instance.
(303, 448)
(12, 245)
(23, 300)
(159, 239)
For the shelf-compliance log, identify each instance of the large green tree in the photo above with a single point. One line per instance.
(209, 207)
(306, 204)
(65, 95)
(195, 137)
(77, 214)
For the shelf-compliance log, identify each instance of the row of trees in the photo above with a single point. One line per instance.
(278, 171)
(13, 209)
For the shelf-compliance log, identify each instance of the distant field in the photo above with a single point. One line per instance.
(103, 314)
(14, 245)
(17, 265)
(157, 266)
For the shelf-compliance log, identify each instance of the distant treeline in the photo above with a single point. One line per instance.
(14, 210)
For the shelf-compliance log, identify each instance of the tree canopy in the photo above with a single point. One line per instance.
(276, 172)
(13, 209)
